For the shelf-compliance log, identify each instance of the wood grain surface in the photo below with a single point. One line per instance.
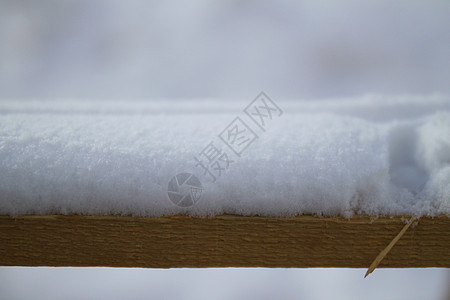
(223, 241)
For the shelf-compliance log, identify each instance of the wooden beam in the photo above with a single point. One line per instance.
(223, 241)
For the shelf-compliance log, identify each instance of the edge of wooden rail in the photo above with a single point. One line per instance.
(222, 241)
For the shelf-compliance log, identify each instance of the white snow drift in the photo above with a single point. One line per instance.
(374, 155)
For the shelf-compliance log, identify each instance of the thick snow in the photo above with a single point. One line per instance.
(372, 155)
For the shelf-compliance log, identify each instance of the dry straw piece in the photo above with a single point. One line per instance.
(386, 250)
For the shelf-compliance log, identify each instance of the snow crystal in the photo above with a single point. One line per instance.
(374, 155)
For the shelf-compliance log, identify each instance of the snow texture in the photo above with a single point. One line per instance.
(372, 155)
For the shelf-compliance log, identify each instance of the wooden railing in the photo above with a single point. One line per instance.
(223, 241)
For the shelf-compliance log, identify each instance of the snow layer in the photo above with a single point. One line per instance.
(374, 155)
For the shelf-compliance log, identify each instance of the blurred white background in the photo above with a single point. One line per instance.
(218, 284)
(222, 49)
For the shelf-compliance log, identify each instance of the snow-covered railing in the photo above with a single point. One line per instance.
(193, 175)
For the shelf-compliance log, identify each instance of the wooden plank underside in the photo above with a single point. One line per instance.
(223, 241)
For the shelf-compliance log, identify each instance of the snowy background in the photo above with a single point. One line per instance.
(227, 48)
(223, 50)
(220, 284)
